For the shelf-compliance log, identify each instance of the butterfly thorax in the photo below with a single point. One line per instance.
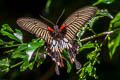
(57, 33)
(56, 28)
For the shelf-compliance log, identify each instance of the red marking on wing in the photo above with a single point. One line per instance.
(49, 28)
(62, 27)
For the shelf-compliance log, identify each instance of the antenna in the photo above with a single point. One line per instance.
(60, 16)
(47, 20)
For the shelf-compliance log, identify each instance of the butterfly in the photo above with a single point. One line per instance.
(60, 38)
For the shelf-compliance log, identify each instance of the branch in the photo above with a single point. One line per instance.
(95, 36)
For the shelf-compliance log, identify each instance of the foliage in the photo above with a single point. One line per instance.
(16, 48)
(114, 39)
(19, 49)
(89, 68)
(104, 1)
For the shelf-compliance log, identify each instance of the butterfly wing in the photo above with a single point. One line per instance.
(78, 19)
(36, 27)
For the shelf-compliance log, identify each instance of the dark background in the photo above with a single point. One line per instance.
(11, 10)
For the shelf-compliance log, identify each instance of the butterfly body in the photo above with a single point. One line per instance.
(59, 43)
(58, 39)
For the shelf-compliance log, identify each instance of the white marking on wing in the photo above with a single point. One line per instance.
(54, 42)
(70, 45)
(65, 40)
(62, 45)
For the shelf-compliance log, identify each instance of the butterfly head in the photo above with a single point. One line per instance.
(56, 28)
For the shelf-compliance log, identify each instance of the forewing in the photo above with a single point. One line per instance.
(78, 19)
(36, 27)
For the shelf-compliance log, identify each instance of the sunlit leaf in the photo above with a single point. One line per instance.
(89, 69)
(87, 46)
(18, 52)
(32, 46)
(18, 34)
(113, 43)
(7, 28)
(21, 47)
(114, 39)
(10, 35)
(115, 23)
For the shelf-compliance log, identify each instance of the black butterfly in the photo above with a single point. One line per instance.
(61, 38)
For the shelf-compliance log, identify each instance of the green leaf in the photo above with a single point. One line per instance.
(32, 46)
(91, 55)
(48, 5)
(114, 39)
(108, 1)
(7, 31)
(87, 46)
(69, 65)
(31, 65)
(113, 43)
(21, 47)
(115, 23)
(4, 65)
(10, 35)
(25, 64)
(10, 42)
(67, 59)
(89, 69)
(7, 28)
(19, 35)
(18, 52)
(1, 41)
(103, 13)
(103, 1)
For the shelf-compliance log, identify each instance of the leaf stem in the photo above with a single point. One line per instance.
(12, 45)
(16, 64)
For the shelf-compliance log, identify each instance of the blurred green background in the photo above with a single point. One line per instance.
(11, 10)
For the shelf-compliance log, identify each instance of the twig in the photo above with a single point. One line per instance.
(16, 64)
(95, 36)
